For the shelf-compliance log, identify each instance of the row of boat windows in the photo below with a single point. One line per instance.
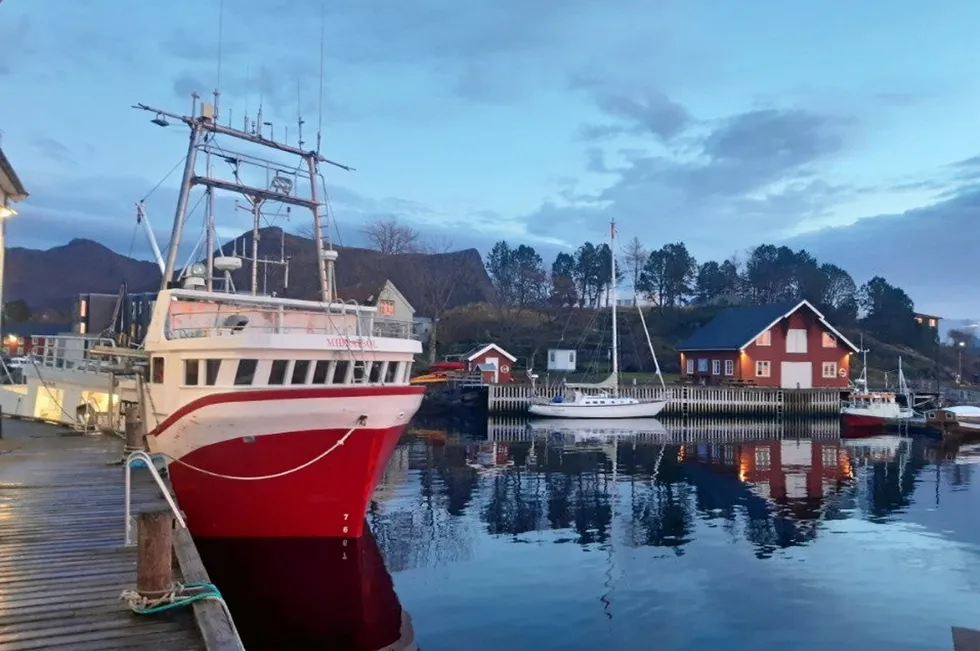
(204, 372)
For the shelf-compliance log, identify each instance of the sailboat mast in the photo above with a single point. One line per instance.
(613, 297)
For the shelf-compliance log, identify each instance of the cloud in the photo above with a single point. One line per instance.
(753, 173)
(930, 252)
(54, 150)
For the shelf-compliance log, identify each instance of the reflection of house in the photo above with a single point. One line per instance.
(789, 345)
(395, 316)
(486, 458)
(927, 319)
(492, 362)
(780, 470)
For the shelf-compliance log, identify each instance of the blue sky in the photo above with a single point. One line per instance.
(848, 128)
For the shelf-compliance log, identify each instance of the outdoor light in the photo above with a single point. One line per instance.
(6, 211)
(160, 120)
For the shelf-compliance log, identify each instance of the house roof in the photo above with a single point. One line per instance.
(38, 329)
(737, 327)
(928, 316)
(482, 349)
(368, 293)
(13, 186)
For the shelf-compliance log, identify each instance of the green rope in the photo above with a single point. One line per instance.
(210, 591)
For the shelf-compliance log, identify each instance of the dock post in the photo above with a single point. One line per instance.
(154, 549)
(134, 433)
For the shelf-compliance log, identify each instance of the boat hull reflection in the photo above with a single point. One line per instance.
(325, 593)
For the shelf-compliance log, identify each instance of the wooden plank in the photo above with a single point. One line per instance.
(62, 561)
(211, 619)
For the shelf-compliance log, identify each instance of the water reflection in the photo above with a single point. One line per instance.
(309, 594)
(573, 535)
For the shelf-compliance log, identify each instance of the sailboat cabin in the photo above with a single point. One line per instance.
(787, 345)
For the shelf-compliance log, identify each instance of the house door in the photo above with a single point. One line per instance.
(496, 368)
(796, 375)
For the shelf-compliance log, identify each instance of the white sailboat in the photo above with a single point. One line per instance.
(606, 401)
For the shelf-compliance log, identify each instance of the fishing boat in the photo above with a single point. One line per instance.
(866, 413)
(602, 399)
(958, 419)
(276, 415)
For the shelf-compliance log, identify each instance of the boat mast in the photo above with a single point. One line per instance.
(281, 188)
(613, 297)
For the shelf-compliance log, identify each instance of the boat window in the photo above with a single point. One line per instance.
(191, 367)
(340, 372)
(301, 368)
(320, 372)
(391, 372)
(407, 373)
(358, 374)
(375, 373)
(211, 368)
(157, 371)
(278, 373)
(246, 371)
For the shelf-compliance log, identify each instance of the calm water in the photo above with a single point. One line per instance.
(532, 538)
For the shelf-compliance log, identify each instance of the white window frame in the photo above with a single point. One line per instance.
(796, 341)
(690, 366)
(716, 367)
(729, 367)
(763, 368)
(831, 367)
(765, 339)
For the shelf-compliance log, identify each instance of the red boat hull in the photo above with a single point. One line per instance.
(234, 481)
(859, 426)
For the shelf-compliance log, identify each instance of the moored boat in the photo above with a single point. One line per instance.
(276, 415)
(867, 413)
(959, 419)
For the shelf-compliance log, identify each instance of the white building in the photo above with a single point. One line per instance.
(560, 359)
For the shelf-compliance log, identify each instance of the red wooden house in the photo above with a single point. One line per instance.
(787, 345)
(494, 363)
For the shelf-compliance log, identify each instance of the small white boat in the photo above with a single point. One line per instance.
(868, 411)
(601, 405)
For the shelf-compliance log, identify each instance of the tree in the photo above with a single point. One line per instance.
(529, 276)
(680, 270)
(389, 237)
(436, 287)
(588, 274)
(634, 257)
(563, 289)
(500, 268)
(840, 298)
(770, 274)
(711, 282)
(653, 277)
(889, 312)
(16, 312)
(961, 337)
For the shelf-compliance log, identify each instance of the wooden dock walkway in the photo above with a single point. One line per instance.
(688, 400)
(63, 564)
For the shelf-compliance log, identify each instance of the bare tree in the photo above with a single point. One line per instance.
(634, 257)
(389, 237)
(436, 286)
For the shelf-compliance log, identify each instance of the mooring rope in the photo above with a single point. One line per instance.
(178, 596)
(361, 421)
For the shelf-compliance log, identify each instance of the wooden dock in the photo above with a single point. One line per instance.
(63, 563)
(695, 400)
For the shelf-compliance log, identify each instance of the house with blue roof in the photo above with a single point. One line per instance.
(789, 345)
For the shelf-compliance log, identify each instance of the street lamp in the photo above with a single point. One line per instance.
(959, 361)
(6, 211)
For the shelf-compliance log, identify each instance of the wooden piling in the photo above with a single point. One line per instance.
(134, 431)
(154, 560)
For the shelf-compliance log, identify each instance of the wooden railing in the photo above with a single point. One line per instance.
(515, 398)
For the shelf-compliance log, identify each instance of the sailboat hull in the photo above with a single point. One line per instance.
(647, 409)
